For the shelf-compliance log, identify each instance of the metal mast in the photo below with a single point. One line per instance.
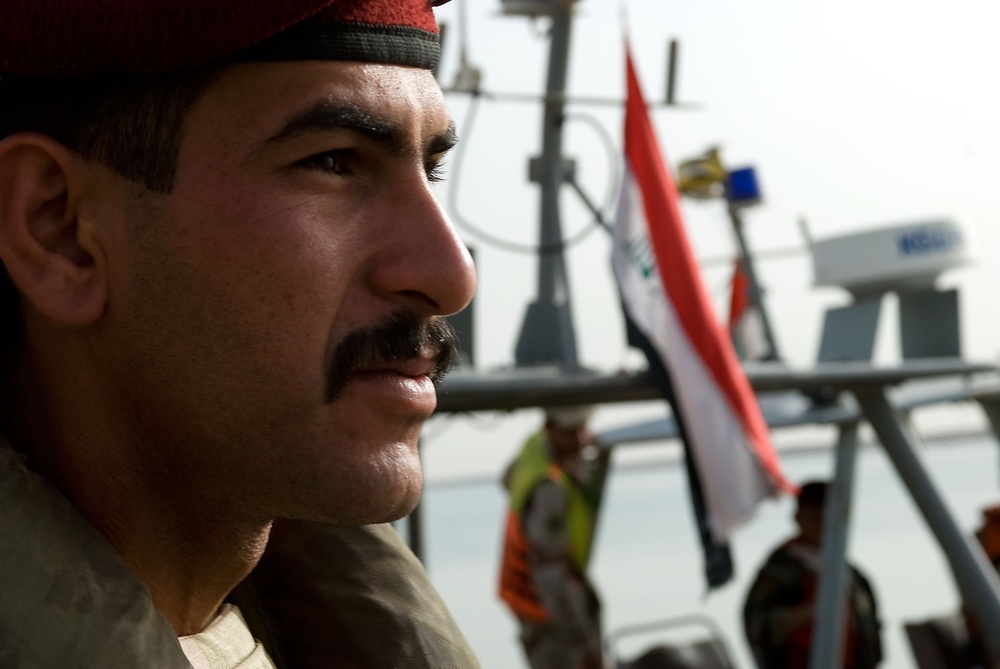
(547, 335)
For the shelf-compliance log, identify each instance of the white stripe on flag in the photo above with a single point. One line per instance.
(733, 481)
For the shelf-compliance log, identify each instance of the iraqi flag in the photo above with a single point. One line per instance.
(669, 315)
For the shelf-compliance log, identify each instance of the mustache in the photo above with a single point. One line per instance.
(402, 336)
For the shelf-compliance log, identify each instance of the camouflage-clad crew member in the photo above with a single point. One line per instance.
(555, 485)
(779, 611)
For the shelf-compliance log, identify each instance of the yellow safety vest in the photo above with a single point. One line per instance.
(532, 467)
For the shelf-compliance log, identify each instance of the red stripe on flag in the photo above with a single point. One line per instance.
(680, 274)
(739, 299)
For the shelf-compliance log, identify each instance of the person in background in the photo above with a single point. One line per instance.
(955, 640)
(973, 653)
(555, 486)
(779, 612)
(225, 277)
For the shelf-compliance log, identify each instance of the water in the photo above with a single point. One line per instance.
(647, 563)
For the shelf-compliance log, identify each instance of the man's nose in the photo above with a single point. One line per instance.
(424, 262)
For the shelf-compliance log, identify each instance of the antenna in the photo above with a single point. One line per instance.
(673, 51)
(806, 233)
(533, 8)
(469, 76)
(442, 38)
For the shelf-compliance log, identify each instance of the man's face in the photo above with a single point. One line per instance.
(810, 521)
(567, 442)
(273, 313)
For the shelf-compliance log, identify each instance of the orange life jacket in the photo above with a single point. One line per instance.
(532, 467)
(516, 586)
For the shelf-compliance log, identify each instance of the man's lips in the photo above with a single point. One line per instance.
(412, 368)
(403, 345)
(406, 385)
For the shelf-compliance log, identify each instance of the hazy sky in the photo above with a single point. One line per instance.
(855, 114)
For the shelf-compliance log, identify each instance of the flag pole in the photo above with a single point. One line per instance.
(756, 293)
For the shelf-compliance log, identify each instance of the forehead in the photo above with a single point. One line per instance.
(252, 102)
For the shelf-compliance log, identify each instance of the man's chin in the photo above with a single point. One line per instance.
(375, 505)
(357, 477)
(402, 507)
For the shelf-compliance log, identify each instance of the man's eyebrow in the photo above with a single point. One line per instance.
(326, 116)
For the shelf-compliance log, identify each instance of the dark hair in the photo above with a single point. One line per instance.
(130, 123)
(133, 124)
(812, 494)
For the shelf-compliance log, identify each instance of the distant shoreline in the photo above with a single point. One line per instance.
(670, 455)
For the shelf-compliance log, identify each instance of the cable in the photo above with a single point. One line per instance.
(614, 183)
(497, 242)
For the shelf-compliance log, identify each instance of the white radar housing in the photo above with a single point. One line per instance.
(899, 256)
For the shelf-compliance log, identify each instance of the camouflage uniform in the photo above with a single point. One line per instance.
(790, 577)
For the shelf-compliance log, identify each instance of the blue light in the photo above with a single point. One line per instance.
(742, 187)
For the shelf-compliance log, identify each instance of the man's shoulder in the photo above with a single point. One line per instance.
(53, 567)
(324, 595)
(781, 564)
(781, 554)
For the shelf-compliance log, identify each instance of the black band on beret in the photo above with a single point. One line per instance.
(367, 42)
(81, 38)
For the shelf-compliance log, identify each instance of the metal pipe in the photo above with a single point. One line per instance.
(540, 387)
(991, 407)
(976, 578)
(827, 647)
(756, 293)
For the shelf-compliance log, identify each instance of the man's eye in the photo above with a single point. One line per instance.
(335, 162)
(435, 171)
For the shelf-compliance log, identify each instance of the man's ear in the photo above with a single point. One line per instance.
(49, 249)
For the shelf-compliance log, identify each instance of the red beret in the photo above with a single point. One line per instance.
(73, 38)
